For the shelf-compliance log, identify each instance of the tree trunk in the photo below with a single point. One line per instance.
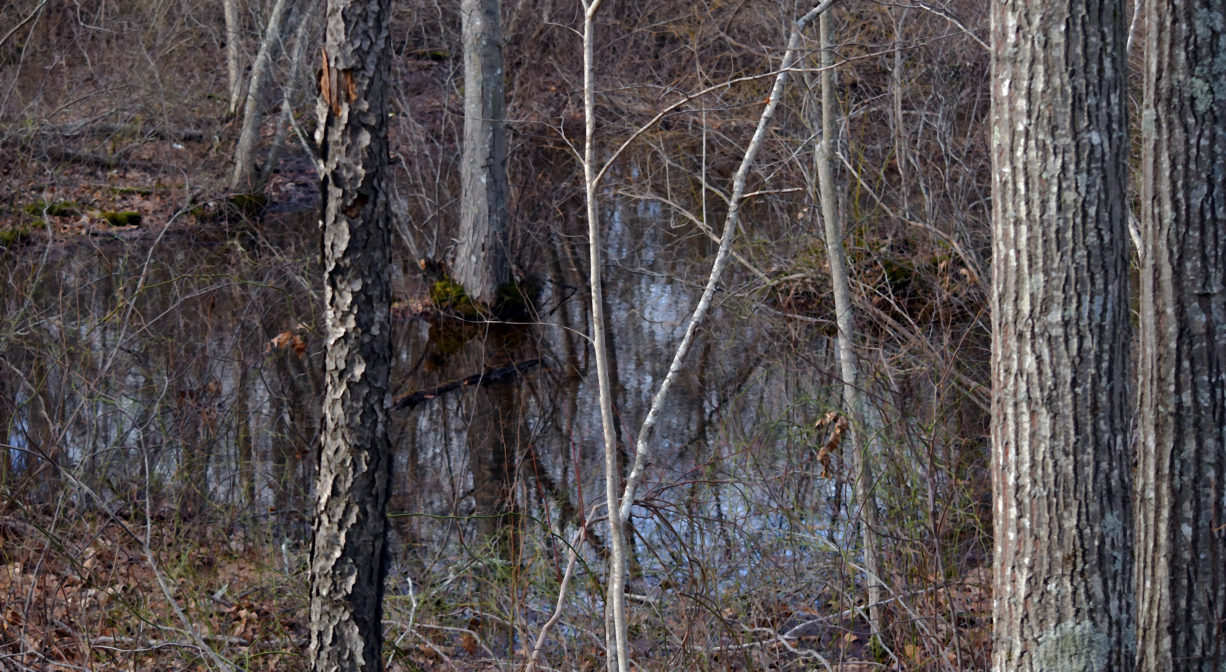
(233, 66)
(348, 556)
(1061, 468)
(253, 108)
(1181, 511)
(289, 91)
(853, 396)
(481, 264)
(617, 651)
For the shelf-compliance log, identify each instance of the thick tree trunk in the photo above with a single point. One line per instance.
(1061, 467)
(481, 263)
(1181, 508)
(348, 561)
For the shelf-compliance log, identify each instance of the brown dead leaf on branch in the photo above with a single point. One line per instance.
(287, 340)
(836, 423)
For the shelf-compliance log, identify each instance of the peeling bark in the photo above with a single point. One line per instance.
(348, 556)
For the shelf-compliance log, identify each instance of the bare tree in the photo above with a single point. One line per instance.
(853, 396)
(481, 264)
(1061, 466)
(233, 57)
(252, 106)
(348, 563)
(616, 635)
(1181, 512)
(616, 645)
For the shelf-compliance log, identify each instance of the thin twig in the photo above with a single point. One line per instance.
(572, 557)
(29, 17)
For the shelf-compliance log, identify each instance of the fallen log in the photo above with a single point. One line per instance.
(488, 377)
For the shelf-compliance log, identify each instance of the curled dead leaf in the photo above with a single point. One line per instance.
(287, 340)
(837, 424)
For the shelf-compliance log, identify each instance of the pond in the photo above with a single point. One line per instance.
(178, 376)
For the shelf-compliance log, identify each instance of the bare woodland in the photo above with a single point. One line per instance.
(612, 334)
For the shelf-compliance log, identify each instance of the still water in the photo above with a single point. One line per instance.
(180, 373)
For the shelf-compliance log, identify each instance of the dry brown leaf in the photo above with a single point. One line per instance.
(833, 441)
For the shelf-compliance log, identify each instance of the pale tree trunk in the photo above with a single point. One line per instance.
(481, 264)
(616, 646)
(853, 396)
(252, 108)
(1181, 470)
(899, 126)
(616, 635)
(233, 67)
(289, 90)
(348, 556)
(1061, 466)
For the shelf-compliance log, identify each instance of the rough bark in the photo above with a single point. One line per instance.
(348, 560)
(1181, 505)
(1061, 467)
(481, 264)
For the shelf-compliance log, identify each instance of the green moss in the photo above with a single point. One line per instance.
(512, 300)
(447, 294)
(122, 218)
(54, 208)
(19, 234)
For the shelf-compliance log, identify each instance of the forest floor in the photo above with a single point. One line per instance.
(151, 594)
(125, 595)
(148, 591)
(129, 182)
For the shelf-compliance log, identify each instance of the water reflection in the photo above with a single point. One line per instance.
(182, 376)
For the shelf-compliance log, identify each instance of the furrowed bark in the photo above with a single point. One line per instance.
(1061, 461)
(1180, 490)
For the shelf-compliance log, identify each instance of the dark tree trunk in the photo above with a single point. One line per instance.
(1061, 466)
(348, 557)
(481, 264)
(1181, 506)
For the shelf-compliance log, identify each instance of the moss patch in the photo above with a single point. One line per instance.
(449, 295)
(513, 301)
(122, 217)
(53, 209)
(19, 234)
